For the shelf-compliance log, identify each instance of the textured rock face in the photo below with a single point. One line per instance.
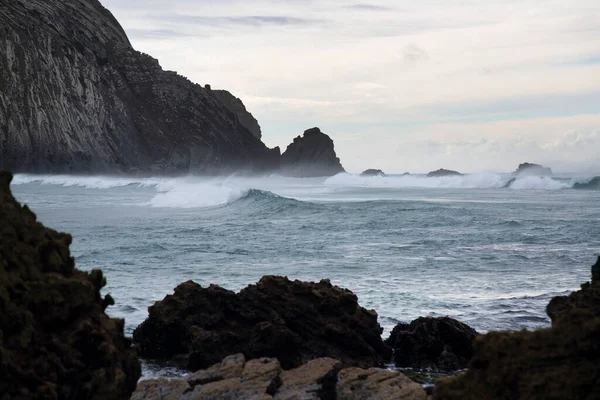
(533, 169)
(291, 320)
(311, 155)
(322, 378)
(442, 344)
(56, 342)
(236, 106)
(562, 362)
(443, 172)
(75, 97)
(373, 172)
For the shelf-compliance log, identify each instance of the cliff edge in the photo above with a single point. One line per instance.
(76, 97)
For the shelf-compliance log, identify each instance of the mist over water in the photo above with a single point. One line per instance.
(488, 249)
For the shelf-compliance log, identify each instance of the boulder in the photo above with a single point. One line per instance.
(373, 172)
(533, 169)
(290, 320)
(263, 378)
(56, 342)
(440, 344)
(311, 155)
(443, 172)
(561, 362)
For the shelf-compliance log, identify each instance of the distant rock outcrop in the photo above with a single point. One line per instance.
(373, 172)
(443, 172)
(236, 106)
(76, 97)
(311, 155)
(323, 378)
(291, 320)
(56, 342)
(533, 169)
(562, 362)
(441, 344)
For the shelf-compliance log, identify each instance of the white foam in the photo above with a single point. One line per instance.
(482, 181)
(196, 193)
(90, 182)
(539, 183)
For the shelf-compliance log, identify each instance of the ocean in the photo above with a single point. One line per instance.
(486, 249)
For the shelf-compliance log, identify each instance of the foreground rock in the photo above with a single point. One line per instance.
(311, 155)
(533, 169)
(373, 172)
(56, 342)
(562, 362)
(76, 97)
(439, 344)
(290, 320)
(322, 378)
(443, 172)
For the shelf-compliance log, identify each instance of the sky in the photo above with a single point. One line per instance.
(399, 85)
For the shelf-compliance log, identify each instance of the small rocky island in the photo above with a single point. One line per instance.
(373, 172)
(312, 154)
(533, 169)
(442, 173)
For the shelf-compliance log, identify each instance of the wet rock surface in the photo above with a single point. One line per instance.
(56, 342)
(561, 362)
(290, 320)
(263, 378)
(312, 154)
(76, 97)
(439, 344)
(443, 172)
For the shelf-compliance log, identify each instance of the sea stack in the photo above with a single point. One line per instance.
(312, 154)
(373, 172)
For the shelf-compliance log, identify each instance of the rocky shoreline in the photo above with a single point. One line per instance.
(277, 338)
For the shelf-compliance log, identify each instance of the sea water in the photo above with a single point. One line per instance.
(487, 249)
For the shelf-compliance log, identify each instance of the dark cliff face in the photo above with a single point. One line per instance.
(311, 155)
(76, 97)
(236, 106)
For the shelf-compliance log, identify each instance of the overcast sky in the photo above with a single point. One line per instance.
(399, 85)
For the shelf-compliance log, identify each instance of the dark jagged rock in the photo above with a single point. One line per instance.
(442, 344)
(443, 172)
(56, 342)
(291, 320)
(311, 155)
(319, 379)
(561, 362)
(373, 172)
(76, 97)
(533, 169)
(236, 106)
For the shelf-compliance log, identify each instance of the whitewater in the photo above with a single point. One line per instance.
(487, 249)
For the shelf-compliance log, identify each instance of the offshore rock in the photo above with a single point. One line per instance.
(236, 106)
(562, 362)
(311, 155)
(441, 344)
(533, 169)
(290, 320)
(76, 97)
(373, 172)
(56, 342)
(443, 172)
(263, 378)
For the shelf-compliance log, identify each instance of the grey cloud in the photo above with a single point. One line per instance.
(368, 7)
(251, 20)
(413, 54)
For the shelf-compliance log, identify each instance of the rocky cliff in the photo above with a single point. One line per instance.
(236, 106)
(56, 342)
(312, 154)
(76, 97)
